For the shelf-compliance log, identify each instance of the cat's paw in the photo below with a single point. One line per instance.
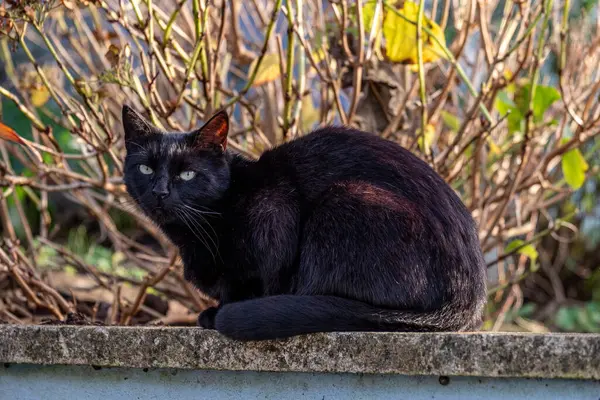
(206, 319)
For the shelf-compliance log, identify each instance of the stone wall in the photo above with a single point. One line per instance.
(550, 356)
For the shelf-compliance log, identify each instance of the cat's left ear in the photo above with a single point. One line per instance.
(213, 133)
(135, 125)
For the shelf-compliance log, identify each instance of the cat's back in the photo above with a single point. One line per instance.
(336, 143)
(347, 164)
(333, 155)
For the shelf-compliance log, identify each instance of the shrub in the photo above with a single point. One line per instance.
(500, 97)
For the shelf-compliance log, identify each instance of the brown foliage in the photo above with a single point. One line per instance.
(317, 63)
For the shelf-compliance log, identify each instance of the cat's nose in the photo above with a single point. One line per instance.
(160, 193)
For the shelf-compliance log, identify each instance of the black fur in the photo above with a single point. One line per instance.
(338, 230)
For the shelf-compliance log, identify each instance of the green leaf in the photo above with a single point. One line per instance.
(585, 321)
(451, 121)
(527, 250)
(505, 105)
(45, 255)
(70, 270)
(589, 202)
(593, 309)
(516, 121)
(579, 318)
(574, 167)
(566, 318)
(153, 291)
(527, 310)
(544, 97)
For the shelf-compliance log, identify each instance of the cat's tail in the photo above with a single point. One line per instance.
(282, 316)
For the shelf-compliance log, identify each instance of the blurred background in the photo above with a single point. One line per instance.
(501, 97)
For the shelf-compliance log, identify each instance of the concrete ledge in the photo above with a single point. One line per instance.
(549, 356)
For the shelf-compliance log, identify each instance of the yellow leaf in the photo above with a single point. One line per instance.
(310, 114)
(493, 146)
(426, 140)
(113, 55)
(368, 16)
(83, 88)
(318, 55)
(39, 95)
(400, 33)
(268, 71)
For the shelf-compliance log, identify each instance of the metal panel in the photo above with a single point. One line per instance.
(35, 382)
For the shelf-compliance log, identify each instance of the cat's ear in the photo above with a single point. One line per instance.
(213, 133)
(134, 124)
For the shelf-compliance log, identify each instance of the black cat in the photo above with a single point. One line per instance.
(338, 230)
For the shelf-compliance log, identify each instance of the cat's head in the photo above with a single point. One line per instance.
(173, 176)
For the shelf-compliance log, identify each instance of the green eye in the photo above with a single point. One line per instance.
(144, 169)
(187, 175)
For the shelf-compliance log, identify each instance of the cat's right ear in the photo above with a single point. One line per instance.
(213, 134)
(134, 124)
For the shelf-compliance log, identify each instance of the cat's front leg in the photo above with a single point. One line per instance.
(206, 319)
(225, 294)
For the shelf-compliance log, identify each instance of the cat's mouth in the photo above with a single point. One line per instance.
(157, 211)
(160, 214)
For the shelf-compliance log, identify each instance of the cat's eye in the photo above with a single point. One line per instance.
(187, 175)
(144, 169)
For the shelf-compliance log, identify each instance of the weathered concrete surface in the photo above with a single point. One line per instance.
(466, 354)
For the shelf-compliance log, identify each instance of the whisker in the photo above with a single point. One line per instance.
(205, 235)
(197, 234)
(211, 227)
(216, 236)
(201, 211)
(200, 215)
(215, 242)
